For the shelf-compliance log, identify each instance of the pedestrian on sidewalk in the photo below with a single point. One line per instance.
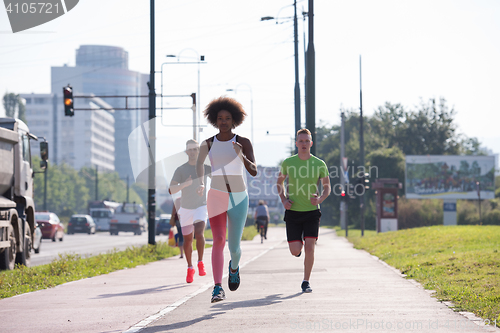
(193, 207)
(227, 199)
(262, 216)
(301, 200)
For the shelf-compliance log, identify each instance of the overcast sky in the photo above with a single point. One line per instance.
(410, 50)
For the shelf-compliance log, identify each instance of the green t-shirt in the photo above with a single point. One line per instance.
(303, 179)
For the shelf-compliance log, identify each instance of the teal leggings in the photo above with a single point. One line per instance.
(226, 209)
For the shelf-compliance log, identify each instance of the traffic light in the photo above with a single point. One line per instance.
(68, 101)
(366, 181)
(350, 191)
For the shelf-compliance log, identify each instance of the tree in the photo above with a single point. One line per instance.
(428, 130)
(14, 106)
(110, 187)
(391, 133)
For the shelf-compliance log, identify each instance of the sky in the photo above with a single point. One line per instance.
(410, 51)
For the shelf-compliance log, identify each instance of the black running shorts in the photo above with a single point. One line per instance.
(302, 225)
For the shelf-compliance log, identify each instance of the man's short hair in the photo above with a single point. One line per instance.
(303, 131)
(191, 141)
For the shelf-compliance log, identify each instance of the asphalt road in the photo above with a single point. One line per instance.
(88, 245)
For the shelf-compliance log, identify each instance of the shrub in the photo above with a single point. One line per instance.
(414, 213)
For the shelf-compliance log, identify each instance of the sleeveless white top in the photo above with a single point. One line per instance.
(223, 158)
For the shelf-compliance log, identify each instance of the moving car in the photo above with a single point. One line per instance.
(163, 224)
(51, 226)
(81, 223)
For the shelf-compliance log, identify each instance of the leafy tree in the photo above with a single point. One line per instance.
(66, 191)
(391, 133)
(429, 130)
(14, 105)
(69, 191)
(110, 186)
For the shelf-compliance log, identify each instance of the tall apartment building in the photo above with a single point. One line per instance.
(87, 139)
(103, 71)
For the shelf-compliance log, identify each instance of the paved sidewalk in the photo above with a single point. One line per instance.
(352, 292)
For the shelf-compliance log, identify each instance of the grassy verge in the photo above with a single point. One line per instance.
(73, 267)
(248, 233)
(461, 263)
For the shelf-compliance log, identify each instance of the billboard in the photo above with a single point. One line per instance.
(449, 177)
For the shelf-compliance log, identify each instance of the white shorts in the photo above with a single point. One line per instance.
(189, 217)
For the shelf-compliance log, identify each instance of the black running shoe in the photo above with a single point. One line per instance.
(218, 294)
(234, 278)
(306, 287)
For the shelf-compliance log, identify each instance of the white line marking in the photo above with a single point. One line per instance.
(142, 324)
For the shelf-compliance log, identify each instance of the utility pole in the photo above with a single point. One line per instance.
(128, 188)
(96, 184)
(478, 187)
(152, 132)
(310, 80)
(297, 86)
(45, 186)
(361, 153)
(343, 209)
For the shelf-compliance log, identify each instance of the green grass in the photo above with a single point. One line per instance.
(461, 263)
(73, 267)
(248, 233)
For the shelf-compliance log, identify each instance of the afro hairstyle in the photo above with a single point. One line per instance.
(228, 104)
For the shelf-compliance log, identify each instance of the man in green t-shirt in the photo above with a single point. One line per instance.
(301, 200)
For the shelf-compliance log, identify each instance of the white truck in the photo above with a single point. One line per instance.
(128, 217)
(102, 213)
(17, 208)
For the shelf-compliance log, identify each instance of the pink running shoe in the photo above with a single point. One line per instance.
(201, 269)
(190, 275)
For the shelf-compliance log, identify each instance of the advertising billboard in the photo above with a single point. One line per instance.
(449, 177)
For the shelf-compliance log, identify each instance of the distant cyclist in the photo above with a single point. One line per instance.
(261, 216)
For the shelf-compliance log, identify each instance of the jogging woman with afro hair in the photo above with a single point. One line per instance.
(227, 199)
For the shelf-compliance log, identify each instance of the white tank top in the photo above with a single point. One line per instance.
(223, 158)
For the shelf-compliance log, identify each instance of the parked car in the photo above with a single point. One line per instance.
(81, 223)
(163, 224)
(37, 242)
(51, 226)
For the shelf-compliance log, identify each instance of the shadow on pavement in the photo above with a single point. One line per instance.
(268, 300)
(183, 324)
(144, 291)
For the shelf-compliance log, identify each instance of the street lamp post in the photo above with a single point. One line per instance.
(196, 119)
(152, 132)
(310, 83)
(296, 56)
(251, 105)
